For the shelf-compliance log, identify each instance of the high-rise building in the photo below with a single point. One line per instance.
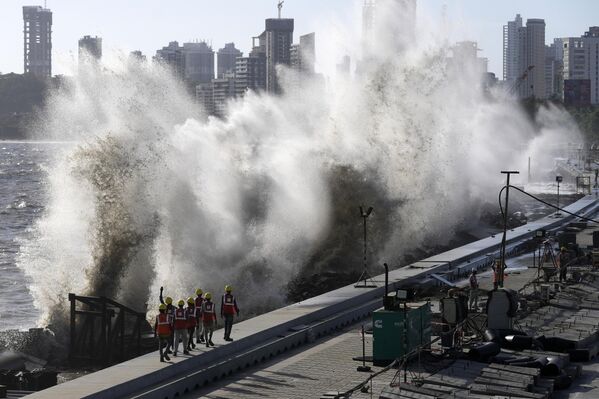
(205, 97)
(578, 74)
(577, 85)
(574, 58)
(37, 41)
(226, 58)
(172, 56)
(388, 25)
(250, 74)
(465, 55)
(524, 56)
(199, 62)
(214, 95)
(223, 89)
(137, 55)
(344, 67)
(303, 54)
(90, 48)
(368, 18)
(553, 70)
(511, 69)
(534, 84)
(591, 44)
(279, 37)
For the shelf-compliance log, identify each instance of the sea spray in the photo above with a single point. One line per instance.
(155, 193)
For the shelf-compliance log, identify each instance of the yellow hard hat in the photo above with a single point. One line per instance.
(208, 295)
(181, 302)
(199, 291)
(162, 306)
(563, 248)
(168, 300)
(228, 288)
(191, 301)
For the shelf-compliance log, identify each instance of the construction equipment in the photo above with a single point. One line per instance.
(397, 333)
(520, 80)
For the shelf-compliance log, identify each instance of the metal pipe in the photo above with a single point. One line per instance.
(386, 279)
(501, 270)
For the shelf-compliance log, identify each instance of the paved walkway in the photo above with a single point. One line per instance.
(307, 373)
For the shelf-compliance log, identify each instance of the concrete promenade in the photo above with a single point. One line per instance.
(327, 366)
(263, 337)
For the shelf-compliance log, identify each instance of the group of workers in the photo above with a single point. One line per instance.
(175, 324)
(561, 263)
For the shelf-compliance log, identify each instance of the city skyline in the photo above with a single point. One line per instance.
(127, 30)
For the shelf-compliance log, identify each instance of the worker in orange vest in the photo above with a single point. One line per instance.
(198, 314)
(496, 273)
(191, 322)
(170, 311)
(208, 318)
(228, 309)
(180, 327)
(162, 329)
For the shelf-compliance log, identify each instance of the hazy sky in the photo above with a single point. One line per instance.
(150, 24)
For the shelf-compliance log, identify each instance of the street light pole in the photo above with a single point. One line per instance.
(501, 270)
(558, 179)
(365, 275)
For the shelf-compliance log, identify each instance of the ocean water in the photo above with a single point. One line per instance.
(22, 198)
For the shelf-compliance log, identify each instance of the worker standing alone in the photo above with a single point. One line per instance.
(473, 297)
(228, 309)
(198, 314)
(180, 328)
(208, 318)
(497, 273)
(162, 329)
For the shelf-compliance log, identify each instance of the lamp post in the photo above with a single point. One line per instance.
(558, 179)
(505, 219)
(365, 275)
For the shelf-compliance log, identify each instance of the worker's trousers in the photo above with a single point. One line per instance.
(563, 274)
(200, 332)
(180, 335)
(473, 299)
(163, 342)
(228, 325)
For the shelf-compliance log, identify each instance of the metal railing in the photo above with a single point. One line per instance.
(103, 330)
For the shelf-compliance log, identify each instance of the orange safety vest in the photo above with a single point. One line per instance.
(228, 304)
(164, 325)
(191, 318)
(180, 319)
(496, 276)
(209, 313)
(170, 312)
(473, 281)
(199, 301)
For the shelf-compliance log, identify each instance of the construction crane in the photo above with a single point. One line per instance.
(520, 80)
(280, 7)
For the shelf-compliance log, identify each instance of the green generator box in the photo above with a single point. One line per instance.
(393, 338)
